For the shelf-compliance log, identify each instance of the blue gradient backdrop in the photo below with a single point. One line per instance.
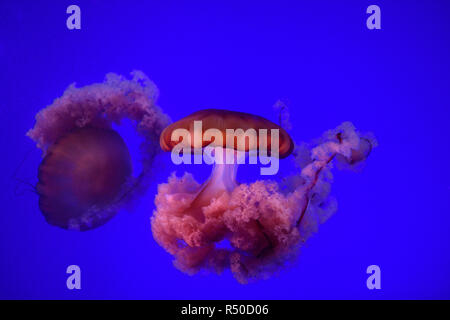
(317, 55)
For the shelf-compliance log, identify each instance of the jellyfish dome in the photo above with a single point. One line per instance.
(86, 176)
(251, 229)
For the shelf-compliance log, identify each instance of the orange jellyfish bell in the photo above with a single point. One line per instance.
(83, 171)
(223, 176)
(223, 120)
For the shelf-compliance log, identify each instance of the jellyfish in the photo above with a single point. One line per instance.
(252, 229)
(86, 173)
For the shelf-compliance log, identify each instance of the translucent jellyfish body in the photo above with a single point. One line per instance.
(85, 176)
(252, 229)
